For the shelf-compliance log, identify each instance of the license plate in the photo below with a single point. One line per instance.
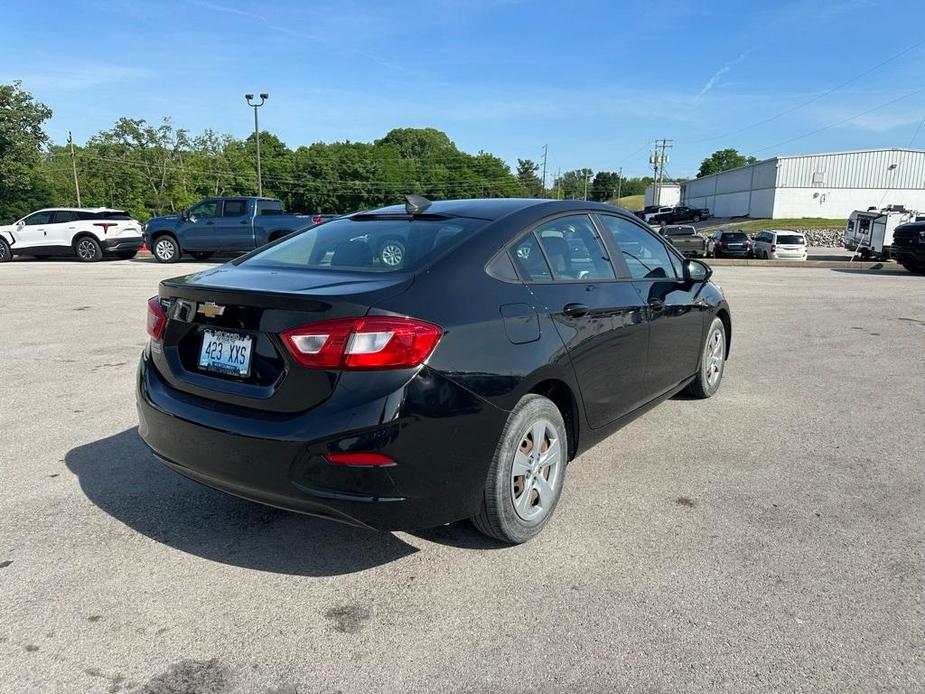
(735, 245)
(226, 353)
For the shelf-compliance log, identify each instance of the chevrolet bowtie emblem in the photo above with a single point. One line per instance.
(210, 309)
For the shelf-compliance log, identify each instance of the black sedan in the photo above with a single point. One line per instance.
(458, 383)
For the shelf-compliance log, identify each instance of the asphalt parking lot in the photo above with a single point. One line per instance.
(768, 539)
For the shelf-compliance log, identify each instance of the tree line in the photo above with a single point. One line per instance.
(150, 169)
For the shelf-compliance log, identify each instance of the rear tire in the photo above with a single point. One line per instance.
(202, 255)
(516, 507)
(166, 249)
(88, 250)
(6, 255)
(696, 217)
(712, 362)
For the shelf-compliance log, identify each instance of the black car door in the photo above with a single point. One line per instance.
(599, 317)
(674, 314)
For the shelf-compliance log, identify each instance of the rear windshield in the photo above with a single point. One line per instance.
(735, 237)
(680, 231)
(789, 238)
(368, 245)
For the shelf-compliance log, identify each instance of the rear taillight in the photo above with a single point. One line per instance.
(748, 244)
(718, 245)
(157, 319)
(363, 343)
(316, 219)
(773, 247)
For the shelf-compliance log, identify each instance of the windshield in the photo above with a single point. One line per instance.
(790, 238)
(368, 244)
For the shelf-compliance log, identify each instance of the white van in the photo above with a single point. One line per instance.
(772, 244)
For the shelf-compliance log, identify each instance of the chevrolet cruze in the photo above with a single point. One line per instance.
(458, 383)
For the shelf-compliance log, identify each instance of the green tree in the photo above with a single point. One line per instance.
(529, 181)
(572, 185)
(22, 185)
(723, 160)
(605, 186)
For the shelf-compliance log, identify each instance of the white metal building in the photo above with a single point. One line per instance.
(814, 185)
(669, 194)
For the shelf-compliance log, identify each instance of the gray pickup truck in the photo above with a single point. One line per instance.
(686, 240)
(222, 225)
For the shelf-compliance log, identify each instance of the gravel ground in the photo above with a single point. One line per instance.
(768, 539)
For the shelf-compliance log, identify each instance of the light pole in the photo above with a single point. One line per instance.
(250, 102)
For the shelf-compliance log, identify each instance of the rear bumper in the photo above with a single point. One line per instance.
(129, 243)
(441, 436)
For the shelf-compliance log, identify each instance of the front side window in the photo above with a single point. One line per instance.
(204, 210)
(646, 257)
(37, 218)
(574, 249)
(235, 208)
(368, 244)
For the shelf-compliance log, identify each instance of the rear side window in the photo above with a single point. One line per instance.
(530, 261)
(646, 257)
(269, 207)
(368, 244)
(235, 208)
(574, 249)
(790, 239)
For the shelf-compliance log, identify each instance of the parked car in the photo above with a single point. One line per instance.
(312, 375)
(729, 244)
(909, 246)
(228, 224)
(681, 213)
(649, 211)
(88, 233)
(772, 244)
(686, 240)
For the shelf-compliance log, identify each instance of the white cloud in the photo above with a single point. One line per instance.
(719, 73)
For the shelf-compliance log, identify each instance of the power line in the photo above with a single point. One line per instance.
(842, 121)
(809, 101)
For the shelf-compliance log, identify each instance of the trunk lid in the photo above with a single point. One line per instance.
(259, 304)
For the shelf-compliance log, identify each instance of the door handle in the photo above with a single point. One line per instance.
(575, 310)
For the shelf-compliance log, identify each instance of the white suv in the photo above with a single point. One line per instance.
(88, 233)
(779, 244)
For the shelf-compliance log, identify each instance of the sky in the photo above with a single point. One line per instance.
(595, 81)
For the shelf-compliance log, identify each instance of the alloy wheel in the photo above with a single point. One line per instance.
(164, 249)
(87, 249)
(713, 358)
(535, 471)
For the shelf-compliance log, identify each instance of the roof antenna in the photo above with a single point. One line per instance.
(416, 204)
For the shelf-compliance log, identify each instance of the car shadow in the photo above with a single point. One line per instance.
(121, 476)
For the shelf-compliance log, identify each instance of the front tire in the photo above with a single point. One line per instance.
(696, 217)
(88, 250)
(166, 249)
(712, 362)
(6, 255)
(527, 472)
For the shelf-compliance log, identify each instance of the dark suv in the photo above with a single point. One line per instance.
(909, 246)
(729, 244)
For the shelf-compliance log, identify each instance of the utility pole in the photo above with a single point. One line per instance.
(556, 184)
(658, 159)
(587, 176)
(619, 183)
(249, 98)
(70, 141)
(545, 152)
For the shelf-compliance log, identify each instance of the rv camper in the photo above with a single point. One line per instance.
(870, 232)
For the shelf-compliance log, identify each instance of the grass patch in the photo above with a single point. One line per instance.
(751, 225)
(630, 202)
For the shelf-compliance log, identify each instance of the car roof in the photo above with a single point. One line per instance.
(496, 208)
(786, 231)
(79, 209)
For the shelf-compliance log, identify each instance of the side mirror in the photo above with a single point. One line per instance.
(20, 224)
(696, 271)
(184, 215)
